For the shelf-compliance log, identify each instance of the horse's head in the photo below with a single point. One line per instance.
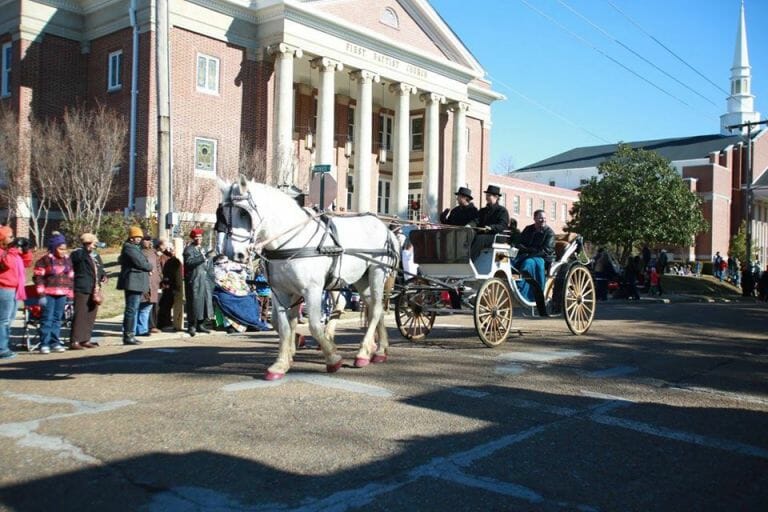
(241, 219)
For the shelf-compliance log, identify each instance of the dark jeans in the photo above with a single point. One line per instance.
(50, 326)
(132, 301)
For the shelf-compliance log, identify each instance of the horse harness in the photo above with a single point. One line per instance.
(334, 250)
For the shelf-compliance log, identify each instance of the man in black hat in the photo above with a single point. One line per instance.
(492, 219)
(464, 213)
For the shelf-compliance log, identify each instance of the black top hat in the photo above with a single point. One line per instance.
(493, 189)
(464, 191)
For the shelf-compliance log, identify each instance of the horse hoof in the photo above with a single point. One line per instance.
(361, 362)
(268, 375)
(378, 358)
(333, 368)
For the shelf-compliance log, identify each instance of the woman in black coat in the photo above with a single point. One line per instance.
(89, 273)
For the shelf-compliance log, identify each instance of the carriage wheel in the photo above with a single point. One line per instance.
(493, 312)
(413, 322)
(579, 299)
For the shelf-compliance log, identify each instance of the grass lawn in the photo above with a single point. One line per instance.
(704, 286)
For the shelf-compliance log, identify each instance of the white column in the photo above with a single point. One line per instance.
(431, 154)
(282, 161)
(361, 201)
(402, 148)
(326, 108)
(459, 156)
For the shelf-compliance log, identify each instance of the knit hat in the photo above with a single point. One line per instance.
(195, 233)
(6, 233)
(55, 241)
(87, 238)
(135, 231)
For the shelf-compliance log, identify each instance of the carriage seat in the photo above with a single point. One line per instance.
(562, 241)
(442, 245)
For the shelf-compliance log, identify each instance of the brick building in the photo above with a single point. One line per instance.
(383, 91)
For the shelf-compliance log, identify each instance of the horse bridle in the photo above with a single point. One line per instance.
(251, 237)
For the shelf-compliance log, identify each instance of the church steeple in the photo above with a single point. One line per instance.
(741, 102)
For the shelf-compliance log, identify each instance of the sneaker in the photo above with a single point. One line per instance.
(8, 355)
(45, 349)
(58, 348)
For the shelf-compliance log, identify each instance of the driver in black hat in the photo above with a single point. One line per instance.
(492, 219)
(464, 213)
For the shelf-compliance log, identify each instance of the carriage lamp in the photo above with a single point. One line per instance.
(348, 148)
(309, 142)
(382, 155)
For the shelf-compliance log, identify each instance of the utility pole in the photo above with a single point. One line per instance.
(748, 200)
(163, 123)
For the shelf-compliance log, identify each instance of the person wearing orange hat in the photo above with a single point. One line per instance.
(12, 279)
(134, 281)
(197, 285)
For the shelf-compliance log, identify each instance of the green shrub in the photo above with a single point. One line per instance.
(706, 268)
(114, 227)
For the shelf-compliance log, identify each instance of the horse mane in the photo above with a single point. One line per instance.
(272, 200)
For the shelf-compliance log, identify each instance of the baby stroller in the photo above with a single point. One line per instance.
(33, 314)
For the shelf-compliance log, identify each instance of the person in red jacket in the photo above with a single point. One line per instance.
(54, 279)
(12, 278)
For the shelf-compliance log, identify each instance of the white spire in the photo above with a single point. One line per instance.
(741, 102)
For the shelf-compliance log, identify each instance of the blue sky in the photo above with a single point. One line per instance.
(535, 63)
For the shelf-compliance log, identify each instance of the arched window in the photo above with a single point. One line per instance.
(389, 18)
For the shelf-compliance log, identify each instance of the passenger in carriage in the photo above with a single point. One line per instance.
(463, 213)
(492, 219)
(535, 251)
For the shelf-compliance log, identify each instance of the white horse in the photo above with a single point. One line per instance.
(305, 254)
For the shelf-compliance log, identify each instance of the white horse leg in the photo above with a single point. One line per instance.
(313, 309)
(373, 297)
(284, 321)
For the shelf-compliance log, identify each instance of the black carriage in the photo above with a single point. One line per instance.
(486, 286)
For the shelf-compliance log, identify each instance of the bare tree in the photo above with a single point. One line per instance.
(10, 174)
(91, 149)
(505, 165)
(253, 162)
(22, 190)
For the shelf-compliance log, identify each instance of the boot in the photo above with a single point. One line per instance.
(131, 340)
(191, 331)
(76, 346)
(202, 328)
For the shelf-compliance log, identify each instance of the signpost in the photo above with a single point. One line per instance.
(322, 170)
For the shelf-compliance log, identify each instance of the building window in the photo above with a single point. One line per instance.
(553, 211)
(385, 190)
(351, 123)
(207, 74)
(7, 59)
(350, 190)
(385, 131)
(115, 71)
(516, 205)
(529, 207)
(551, 183)
(564, 212)
(389, 18)
(543, 205)
(205, 155)
(417, 133)
(583, 181)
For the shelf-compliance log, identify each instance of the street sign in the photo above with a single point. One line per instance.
(322, 168)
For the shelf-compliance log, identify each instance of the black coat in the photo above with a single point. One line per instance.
(493, 216)
(197, 286)
(134, 269)
(539, 244)
(85, 272)
(460, 215)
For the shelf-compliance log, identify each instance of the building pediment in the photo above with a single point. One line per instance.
(411, 22)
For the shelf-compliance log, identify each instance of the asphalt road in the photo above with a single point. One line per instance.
(660, 407)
